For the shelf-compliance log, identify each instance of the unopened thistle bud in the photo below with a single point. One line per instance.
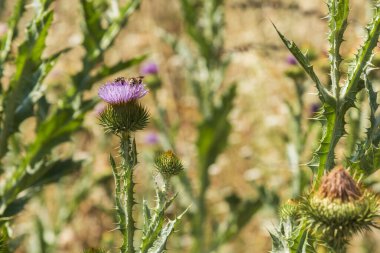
(168, 164)
(339, 209)
(289, 210)
(123, 113)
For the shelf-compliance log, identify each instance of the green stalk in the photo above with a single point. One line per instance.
(200, 217)
(128, 162)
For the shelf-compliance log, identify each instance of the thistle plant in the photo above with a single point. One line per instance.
(27, 167)
(337, 205)
(123, 116)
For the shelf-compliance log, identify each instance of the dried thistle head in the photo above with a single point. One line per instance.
(339, 208)
(339, 185)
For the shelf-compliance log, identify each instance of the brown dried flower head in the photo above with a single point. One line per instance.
(339, 185)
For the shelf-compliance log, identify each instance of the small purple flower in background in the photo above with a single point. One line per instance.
(122, 91)
(314, 109)
(152, 138)
(291, 60)
(3, 29)
(149, 68)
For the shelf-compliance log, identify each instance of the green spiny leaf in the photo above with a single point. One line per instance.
(291, 238)
(28, 62)
(23, 178)
(338, 10)
(362, 60)
(159, 244)
(333, 129)
(33, 92)
(323, 93)
(366, 161)
(156, 223)
(147, 217)
(6, 41)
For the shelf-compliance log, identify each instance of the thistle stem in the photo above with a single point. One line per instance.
(129, 160)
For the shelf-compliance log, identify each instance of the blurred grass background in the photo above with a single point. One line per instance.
(77, 213)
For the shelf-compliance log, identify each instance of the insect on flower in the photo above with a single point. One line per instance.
(136, 80)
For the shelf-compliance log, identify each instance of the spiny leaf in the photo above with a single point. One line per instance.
(33, 93)
(28, 62)
(159, 244)
(5, 42)
(366, 161)
(291, 238)
(332, 130)
(362, 59)
(338, 10)
(156, 222)
(147, 217)
(323, 93)
(40, 175)
(93, 29)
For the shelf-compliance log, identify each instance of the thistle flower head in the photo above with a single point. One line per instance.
(168, 164)
(339, 208)
(122, 91)
(149, 68)
(152, 138)
(291, 60)
(123, 112)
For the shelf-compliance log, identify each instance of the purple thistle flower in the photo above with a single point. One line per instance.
(149, 68)
(291, 60)
(314, 109)
(152, 138)
(122, 91)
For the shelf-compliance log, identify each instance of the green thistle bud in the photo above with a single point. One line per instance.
(128, 117)
(289, 210)
(339, 209)
(168, 164)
